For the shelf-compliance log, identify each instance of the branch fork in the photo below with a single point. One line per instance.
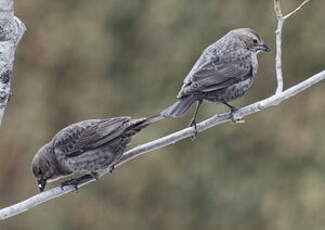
(278, 34)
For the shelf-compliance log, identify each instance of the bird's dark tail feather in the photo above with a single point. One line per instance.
(180, 107)
(136, 125)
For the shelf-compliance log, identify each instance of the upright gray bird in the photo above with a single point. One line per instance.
(224, 72)
(87, 147)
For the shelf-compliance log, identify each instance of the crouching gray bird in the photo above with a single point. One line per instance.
(224, 72)
(87, 147)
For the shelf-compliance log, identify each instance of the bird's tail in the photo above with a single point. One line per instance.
(136, 125)
(180, 107)
(152, 119)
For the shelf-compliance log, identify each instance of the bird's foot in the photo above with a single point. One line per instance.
(235, 119)
(76, 181)
(112, 169)
(94, 175)
(71, 182)
(193, 124)
(10, 95)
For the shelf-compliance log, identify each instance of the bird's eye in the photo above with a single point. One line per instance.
(255, 41)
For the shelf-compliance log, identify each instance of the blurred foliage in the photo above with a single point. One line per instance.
(86, 59)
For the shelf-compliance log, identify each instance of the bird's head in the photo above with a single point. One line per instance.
(42, 167)
(251, 39)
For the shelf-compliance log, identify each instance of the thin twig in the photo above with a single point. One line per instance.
(297, 9)
(277, 8)
(278, 56)
(278, 34)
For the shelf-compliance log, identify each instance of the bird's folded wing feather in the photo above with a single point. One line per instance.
(217, 72)
(80, 137)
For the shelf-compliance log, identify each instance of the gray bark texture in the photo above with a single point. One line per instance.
(11, 31)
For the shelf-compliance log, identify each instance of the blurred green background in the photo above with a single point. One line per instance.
(88, 59)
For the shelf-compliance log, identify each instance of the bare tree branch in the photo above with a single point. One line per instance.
(297, 9)
(168, 140)
(278, 34)
(179, 135)
(11, 31)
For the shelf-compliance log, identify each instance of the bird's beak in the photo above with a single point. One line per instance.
(264, 47)
(41, 183)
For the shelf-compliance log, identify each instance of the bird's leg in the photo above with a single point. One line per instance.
(77, 181)
(233, 109)
(112, 168)
(95, 175)
(193, 120)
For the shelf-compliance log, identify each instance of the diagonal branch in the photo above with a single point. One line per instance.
(274, 100)
(297, 9)
(167, 140)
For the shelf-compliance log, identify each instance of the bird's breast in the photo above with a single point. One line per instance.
(230, 93)
(254, 64)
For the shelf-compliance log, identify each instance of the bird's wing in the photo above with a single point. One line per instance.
(217, 71)
(80, 137)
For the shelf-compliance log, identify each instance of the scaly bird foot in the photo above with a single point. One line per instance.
(235, 120)
(193, 124)
(77, 181)
(112, 169)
